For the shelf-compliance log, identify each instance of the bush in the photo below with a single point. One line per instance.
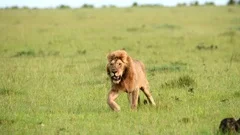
(152, 5)
(35, 8)
(194, 3)
(25, 7)
(231, 2)
(181, 82)
(209, 4)
(112, 6)
(81, 52)
(172, 67)
(6, 91)
(25, 53)
(104, 6)
(181, 4)
(63, 7)
(14, 7)
(87, 6)
(134, 4)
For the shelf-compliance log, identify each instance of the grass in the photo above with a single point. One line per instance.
(53, 78)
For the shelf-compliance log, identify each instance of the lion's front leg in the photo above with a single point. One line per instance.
(135, 95)
(130, 98)
(112, 96)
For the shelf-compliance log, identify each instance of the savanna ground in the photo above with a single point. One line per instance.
(53, 78)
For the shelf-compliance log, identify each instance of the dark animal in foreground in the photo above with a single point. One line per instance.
(230, 126)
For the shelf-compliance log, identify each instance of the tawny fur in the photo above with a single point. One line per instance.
(126, 75)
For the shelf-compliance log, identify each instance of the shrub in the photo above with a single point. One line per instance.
(104, 6)
(152, 5)
(172, 67)
(112, 6)
(181, 82)
(25, 53)
(14, 7)
(63, 7)
(5, 91)
(25, 7)
(231, 34)
(87, 6)
(231, 2)
(195, 3)
(81, 52)
(134, 4)
(168, 26)
(181, 4)
(209, 4)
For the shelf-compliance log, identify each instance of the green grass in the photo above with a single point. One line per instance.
(53, 78)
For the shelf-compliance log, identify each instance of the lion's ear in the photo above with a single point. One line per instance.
(129, 59)
(109, 57)
(124, 56)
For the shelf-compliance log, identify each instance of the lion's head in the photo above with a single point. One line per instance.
(117, 64)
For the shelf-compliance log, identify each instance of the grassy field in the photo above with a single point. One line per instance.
(53, 78)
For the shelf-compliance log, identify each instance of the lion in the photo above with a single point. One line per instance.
(127, 75)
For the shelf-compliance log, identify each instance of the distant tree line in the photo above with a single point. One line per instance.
(62, 6)
(233, 2)
(135, 4)
(196, 3)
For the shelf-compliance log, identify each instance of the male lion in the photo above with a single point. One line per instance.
(126, 75)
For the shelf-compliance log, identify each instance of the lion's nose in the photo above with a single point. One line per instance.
(114, 72)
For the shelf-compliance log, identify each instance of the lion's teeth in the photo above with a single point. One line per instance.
(112, 74)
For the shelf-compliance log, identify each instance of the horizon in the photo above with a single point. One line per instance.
(99, 4)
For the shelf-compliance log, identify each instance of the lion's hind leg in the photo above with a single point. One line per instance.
(147, 93)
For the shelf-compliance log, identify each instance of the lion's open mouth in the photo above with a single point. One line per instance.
(116, 79)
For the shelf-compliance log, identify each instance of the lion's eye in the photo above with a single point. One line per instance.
(120, 64)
